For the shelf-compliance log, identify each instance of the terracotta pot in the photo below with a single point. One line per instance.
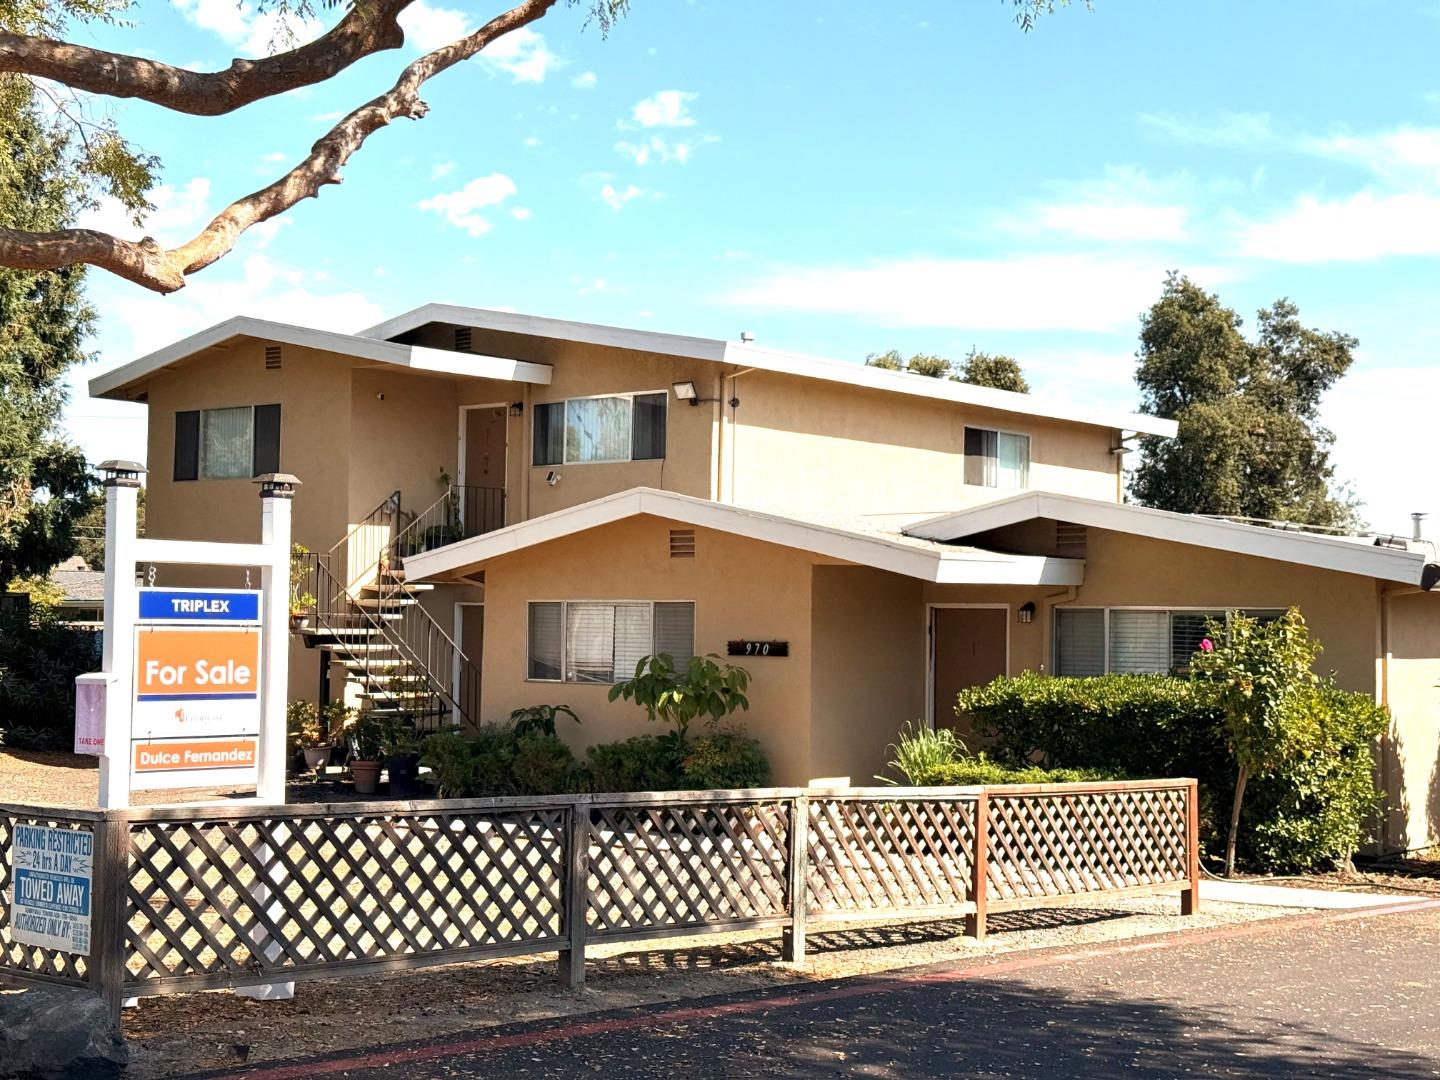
(316, 756)
(366, 775)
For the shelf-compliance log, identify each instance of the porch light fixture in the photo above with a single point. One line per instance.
(516, 408)
(1027, 611)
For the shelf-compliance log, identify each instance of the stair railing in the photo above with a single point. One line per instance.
(356, 555)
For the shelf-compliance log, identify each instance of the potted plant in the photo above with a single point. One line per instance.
(401, 745)
(305, 733)
(302, 603)
(367, 740)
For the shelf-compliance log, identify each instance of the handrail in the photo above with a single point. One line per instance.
(367, 556)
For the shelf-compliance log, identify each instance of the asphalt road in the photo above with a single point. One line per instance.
(1325, 998)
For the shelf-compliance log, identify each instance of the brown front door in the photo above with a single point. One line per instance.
(969, 650)
(483, 470)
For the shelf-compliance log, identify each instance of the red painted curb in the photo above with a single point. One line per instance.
(854, 987)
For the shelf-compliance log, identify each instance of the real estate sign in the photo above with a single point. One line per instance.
(53, 870)
(195, 717)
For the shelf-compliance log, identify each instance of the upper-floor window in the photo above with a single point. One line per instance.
(226, 444)
(602, 641)
(998, 459)
(616, 427)
(1094, 641)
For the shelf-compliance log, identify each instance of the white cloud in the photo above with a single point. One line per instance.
(1406, 154)
(461, 208)
(1231, 130)
(660, 150)
(1087, 292)
(1123, 204)
(427, 27)
(586, 80)
(329, 117)
(1363, 226)
(521, 54)
(441, 169)
(666, 108)
(521, 213)
(1097, 221)
(531, 141)
(275, 155)
(179, 212)
(616, 198)
(252, 32)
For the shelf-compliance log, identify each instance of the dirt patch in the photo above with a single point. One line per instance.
(175, 1035)
(1387, 877)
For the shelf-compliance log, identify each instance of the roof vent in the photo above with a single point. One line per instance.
(272, 357)
(1070, 540)
(462, 339)
(682, 543)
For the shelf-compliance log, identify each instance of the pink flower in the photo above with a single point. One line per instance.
(1206, 645)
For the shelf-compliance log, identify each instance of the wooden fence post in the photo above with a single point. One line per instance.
(792, 949)
(1190, 895)
(980, 867)
(110, 873)
(577, 893)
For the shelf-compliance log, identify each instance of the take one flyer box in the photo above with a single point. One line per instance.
(195, 718)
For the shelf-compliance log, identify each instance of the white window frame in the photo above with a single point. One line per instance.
(1029, 455)
(1227, 609)
(629, 395)
(564, 631)
(200, 473)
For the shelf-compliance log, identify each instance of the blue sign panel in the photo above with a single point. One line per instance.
(199, 605)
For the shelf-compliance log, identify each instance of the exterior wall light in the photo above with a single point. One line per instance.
(685, 391)
(516, 408)
(1027, 611)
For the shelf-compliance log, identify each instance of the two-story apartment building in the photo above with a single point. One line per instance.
(513, 510)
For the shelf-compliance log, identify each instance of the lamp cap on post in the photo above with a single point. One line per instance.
(277, 485)
(121, 473)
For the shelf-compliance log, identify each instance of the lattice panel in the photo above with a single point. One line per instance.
(1056, 845)
(255, 895)
(869, 855)
(674, 865)
(29, 958)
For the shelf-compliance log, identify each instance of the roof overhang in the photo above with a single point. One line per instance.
(1307, 549)
(434, 361)
(961, 566)
(746, 355)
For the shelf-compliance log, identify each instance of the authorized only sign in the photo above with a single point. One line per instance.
(196, 713)
(51, 890)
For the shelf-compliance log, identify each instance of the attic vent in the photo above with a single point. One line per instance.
(462, 339)
(272, 357)
(1070, 540)
(682, 543)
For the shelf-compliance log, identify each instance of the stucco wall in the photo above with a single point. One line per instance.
(796, 442)
(867, 669)
(1410, 767)
(741, 588)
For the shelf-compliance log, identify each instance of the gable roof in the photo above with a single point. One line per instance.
(1351, 556)
(749, 355)
(910, 556)
(415, 357)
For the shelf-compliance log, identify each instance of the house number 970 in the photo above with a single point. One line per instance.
(758, 648)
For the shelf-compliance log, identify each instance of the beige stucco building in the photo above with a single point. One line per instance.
(515, 509)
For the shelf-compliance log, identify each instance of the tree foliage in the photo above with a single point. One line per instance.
(45, 485)
(1250, 441)
(704, 687)
(994, 370)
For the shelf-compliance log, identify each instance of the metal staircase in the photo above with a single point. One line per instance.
(398, 659)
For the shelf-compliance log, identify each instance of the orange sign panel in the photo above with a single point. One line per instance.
(210, 754)
(197, 664)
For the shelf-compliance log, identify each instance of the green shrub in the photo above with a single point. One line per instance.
(724, 758)
(921, 750)
(543, 765)
(40, 655)
(980, 770)
(642, 763)
(493, 761)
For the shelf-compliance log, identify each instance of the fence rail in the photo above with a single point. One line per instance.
(193, 898)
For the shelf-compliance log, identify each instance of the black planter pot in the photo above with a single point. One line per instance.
(404, 770)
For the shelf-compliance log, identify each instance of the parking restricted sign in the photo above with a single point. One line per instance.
(51, 890)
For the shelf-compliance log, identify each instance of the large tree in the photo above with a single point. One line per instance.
(978, 368)
(33, 44)
(44, 482)
(1250, 441)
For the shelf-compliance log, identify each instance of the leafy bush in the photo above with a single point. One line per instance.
(642, 763)
(980, 770)
(724, 758)
(705, 687)
(921, 750)
(539, 719)
(543, 765)
(40, 655)
(1308, 813)
(492, 760)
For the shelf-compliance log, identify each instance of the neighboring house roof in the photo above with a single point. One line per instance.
(1348, 555)
(750, 355)
(911, 556)
(415, 357)
(81, 586)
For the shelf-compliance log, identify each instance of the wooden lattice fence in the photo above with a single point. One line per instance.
(191, 898)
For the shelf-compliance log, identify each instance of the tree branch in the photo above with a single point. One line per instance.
(147, 263)
(369, 27)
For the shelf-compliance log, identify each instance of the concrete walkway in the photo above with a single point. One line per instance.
(1247, 892)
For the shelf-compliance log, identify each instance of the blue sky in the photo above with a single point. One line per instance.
(841, 179)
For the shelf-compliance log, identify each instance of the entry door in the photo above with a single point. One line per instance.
(470, 636)
(969, 650)
(482, 472)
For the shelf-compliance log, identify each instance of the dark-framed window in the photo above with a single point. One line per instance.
(228, 443)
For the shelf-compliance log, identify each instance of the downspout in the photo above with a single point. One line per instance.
(733, 403)
(717, 440)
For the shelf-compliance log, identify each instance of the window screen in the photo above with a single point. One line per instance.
(549, 434)
(547, 625)
(675, 630)
(649, 426)
(227, 443)
(1079, 641)
(601, 642)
